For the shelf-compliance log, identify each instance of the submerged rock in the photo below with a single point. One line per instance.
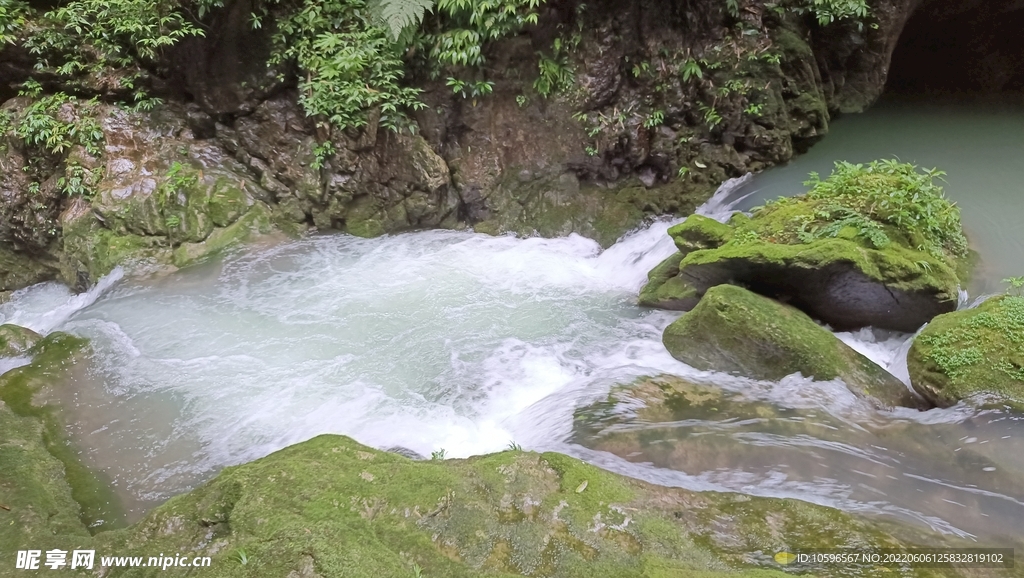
(16, 340)
(736, 331)
(871, 246)
(972, 352)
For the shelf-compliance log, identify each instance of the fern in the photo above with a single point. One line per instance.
(397, 15)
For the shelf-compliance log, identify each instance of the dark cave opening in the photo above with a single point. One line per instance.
(960, 47)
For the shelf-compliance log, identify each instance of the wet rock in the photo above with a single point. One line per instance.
(507, 514)
(665, 289)
(733, 330)
(164, 197)
(373, 182)
(19, 269)
(28, 211)
(48, 488)
(15, 340)
(974, 353)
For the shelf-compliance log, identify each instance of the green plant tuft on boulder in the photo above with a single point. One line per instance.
(876, 203)
(873, 244)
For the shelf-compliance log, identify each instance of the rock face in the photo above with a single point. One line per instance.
(15, 340)
(832, 253)
(736, 331)
(630, 136)
(978, 351)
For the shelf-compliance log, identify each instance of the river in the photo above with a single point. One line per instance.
(466, 343)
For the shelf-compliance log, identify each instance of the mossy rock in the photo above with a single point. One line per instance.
(36, 499)
(254, 222)
(871, 246)
(834, 280)
(698, 232)
(978, 351)
(734, 330)
(331, 507)
(16, 340)
(665, 289)
(30, 391)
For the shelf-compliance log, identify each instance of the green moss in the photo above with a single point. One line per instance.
(736, 331)
(897, 267)
(666, 290)
(881, 202)
(333, 507)
(21, 390)
(970, 352)
(255, 221)
(698, 232)
(228, 201)
(94, 250)
(37, 504)
(15, 340)
(873, 244)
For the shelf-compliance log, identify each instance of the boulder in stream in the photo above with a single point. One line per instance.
(734, 330)
(977, 351)
(873, 245)
(16, 340)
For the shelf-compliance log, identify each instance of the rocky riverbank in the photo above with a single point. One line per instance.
(651, 106)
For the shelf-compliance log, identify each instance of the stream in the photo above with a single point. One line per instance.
(467, 343)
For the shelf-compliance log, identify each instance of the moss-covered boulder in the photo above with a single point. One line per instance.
(972, 352)
(331, 507)
(875, 245)
(33, 391)
(36, 499)
(16, 340)
(163, 197)
(665, 289)
(734, 330)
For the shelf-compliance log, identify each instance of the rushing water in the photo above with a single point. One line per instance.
(468, 342)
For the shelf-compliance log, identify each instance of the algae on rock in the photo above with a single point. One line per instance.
(972, 352)
(733, 330)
